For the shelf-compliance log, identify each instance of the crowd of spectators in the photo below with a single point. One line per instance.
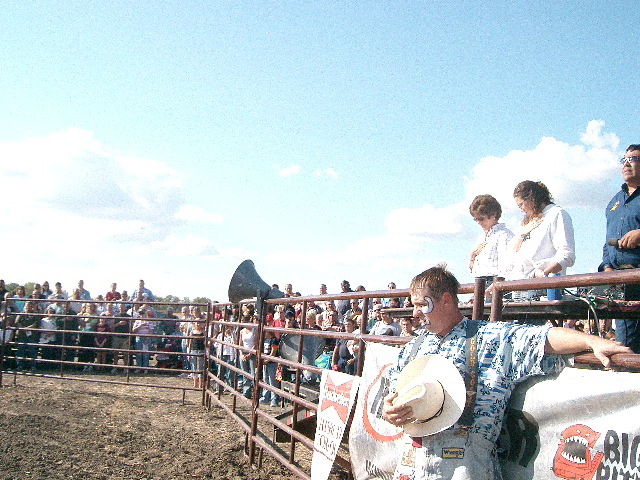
(94, 332)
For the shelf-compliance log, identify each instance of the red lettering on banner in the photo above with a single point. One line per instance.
(337, 396)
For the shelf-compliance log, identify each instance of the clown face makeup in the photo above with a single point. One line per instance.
(427, 308)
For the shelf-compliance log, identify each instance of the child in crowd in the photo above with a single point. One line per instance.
(101, 341)
(226, 354)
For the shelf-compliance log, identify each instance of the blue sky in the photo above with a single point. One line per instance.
(324, 140)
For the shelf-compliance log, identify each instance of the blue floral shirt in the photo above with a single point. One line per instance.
(507, 354)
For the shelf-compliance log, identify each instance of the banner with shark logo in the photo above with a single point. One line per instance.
(583, 424)
(580, 424)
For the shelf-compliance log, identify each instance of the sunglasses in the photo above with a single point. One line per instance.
(629, 160)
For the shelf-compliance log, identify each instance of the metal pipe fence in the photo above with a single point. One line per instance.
(279, 432)
(62, 344)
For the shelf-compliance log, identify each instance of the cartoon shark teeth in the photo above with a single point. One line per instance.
(573, 459)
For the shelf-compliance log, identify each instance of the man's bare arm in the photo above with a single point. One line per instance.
(566, 340)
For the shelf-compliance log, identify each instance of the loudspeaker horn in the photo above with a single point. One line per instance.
(246, 283)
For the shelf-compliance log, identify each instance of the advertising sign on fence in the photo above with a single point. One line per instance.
(374, 443)
(337, 396)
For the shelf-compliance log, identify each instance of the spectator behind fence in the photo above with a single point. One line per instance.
(342, 306)
(143, 290)
(407, 328)
(87, 322)
(113, 295)
(76, 302)
(48, 339)
(3, 290)
(343, 359)
(248, 359)
(142, 326)
(269, 347)
(491, 255)
(68, 323)
(621, 250)
(101, 340)
(20, 296)
(544, 244)
(385, 324)
(84, 294)
(226, 353)
(354, 311)
(185, 329)
(386, 301)
(196, 348)
(121, 342)
(46, 291)
(59, 293)
(27, 320)
(505, 355)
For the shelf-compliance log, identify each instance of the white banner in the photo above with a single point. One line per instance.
(337, 396)
(582, 424)
(373, 443)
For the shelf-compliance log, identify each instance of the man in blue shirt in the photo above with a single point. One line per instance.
(623, 226)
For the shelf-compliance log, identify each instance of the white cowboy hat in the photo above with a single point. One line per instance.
(433, 387)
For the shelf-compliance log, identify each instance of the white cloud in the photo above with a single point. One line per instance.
(425, 220)
(567, 170)
(327, 172)
(84, 210)
(186, 246)
(192, 213)
(289, 171)
(593, 136)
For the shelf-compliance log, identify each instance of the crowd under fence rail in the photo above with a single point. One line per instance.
(63, 344)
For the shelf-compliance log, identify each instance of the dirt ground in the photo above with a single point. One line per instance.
(56, 429)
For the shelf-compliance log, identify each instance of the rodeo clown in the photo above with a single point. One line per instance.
(451, 384)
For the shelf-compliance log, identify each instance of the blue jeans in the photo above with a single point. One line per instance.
(248, 366)
(143, 344)
(30, 351)
(269, 377)
(343, 366)
(223, 372)
(628, 331)
(197, 362)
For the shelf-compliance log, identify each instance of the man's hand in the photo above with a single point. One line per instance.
(630, 239)
(603, 349)
(397, 416)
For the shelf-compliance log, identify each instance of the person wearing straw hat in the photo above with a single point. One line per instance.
(451, 384)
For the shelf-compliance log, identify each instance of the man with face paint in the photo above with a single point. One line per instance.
(505, 354)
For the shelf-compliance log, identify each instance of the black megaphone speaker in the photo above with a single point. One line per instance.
(246, 283)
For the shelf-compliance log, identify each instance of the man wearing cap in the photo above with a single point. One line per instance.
(385, 324)
(493, 357)
(622, 248)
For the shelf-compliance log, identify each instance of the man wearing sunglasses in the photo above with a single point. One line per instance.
(622, 249)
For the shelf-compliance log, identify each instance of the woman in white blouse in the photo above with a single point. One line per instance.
(544, 244)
